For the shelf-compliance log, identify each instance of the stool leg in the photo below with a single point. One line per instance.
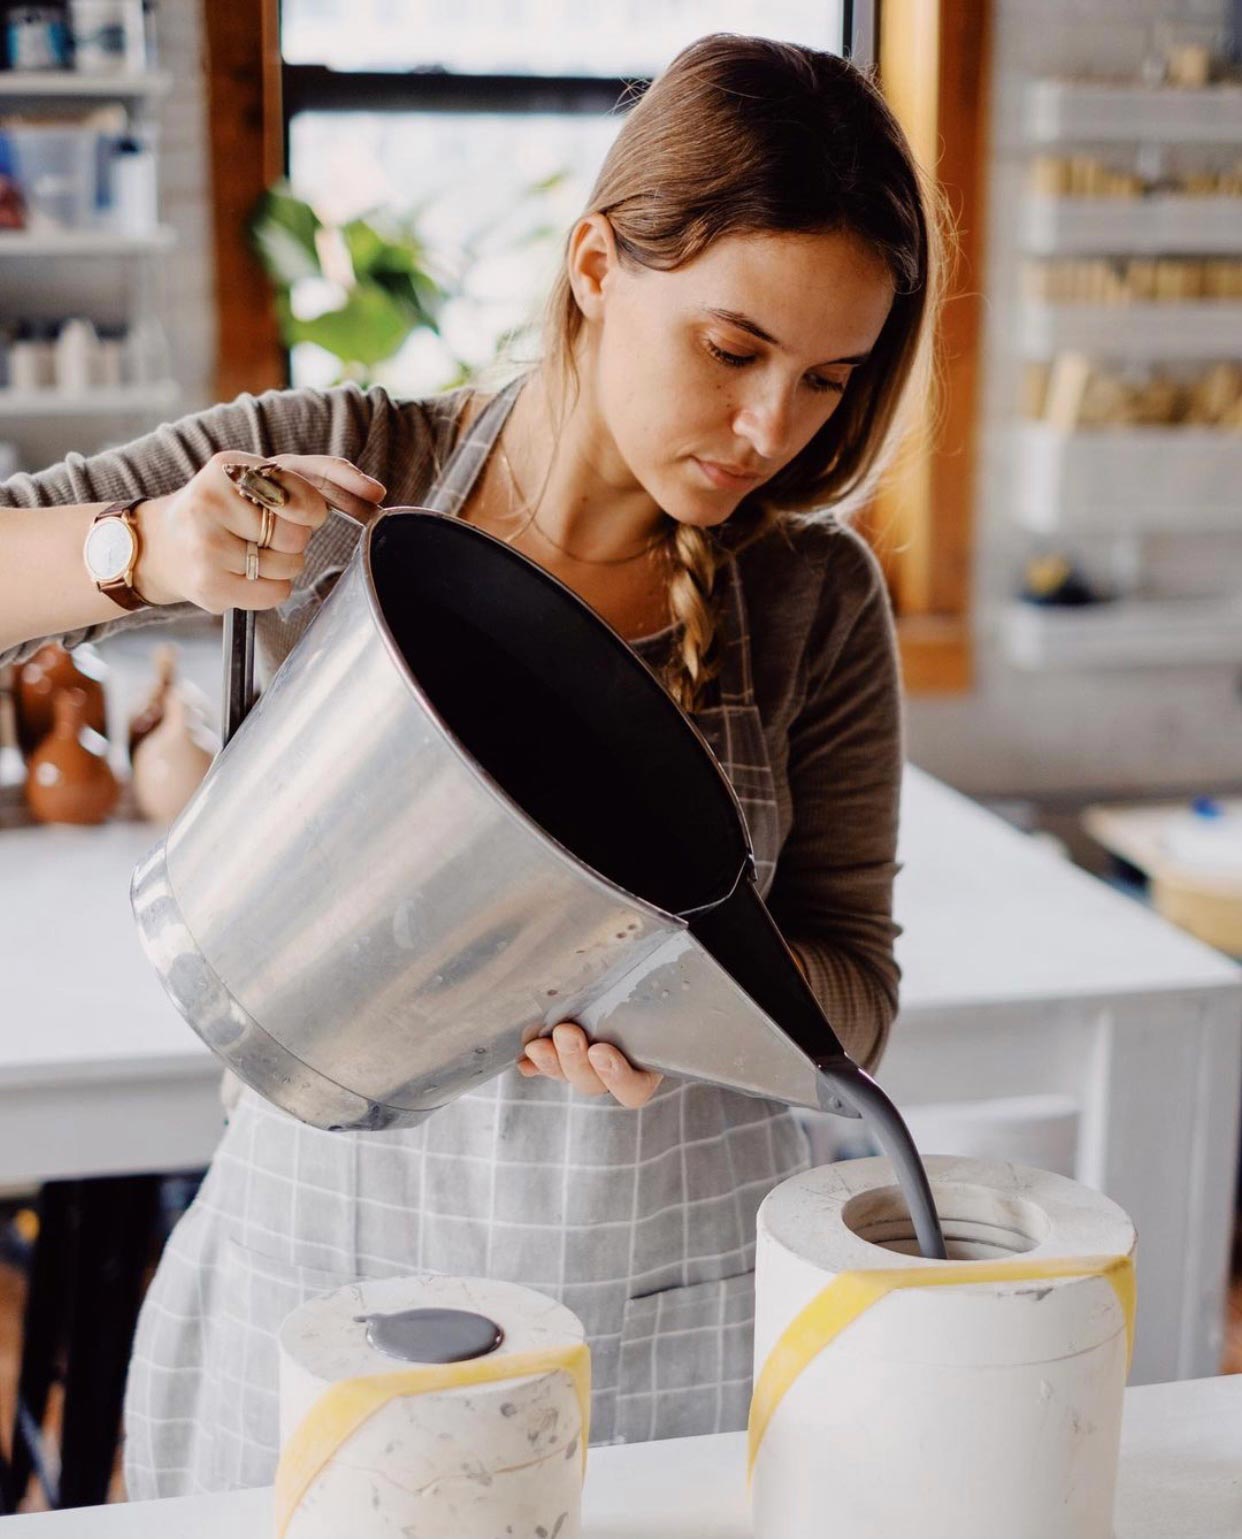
(118, 1228)
(8, 1494)
(42, 1325)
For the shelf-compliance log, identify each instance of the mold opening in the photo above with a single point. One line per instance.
(979, 1223)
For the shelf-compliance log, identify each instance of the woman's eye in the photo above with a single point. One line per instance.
(817, 382)
(734, 360)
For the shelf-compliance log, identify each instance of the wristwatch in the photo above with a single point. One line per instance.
(111, 553)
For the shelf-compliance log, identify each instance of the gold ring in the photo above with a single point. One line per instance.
(252, 561)
(267, 527)
(258, 484)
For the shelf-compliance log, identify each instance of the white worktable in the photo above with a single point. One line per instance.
(1022, 974)
(1180, 1478)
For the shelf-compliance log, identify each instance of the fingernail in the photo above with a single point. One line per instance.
(603, 1060)
(565, 1039)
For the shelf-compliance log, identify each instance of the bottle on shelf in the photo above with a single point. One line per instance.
(131, 183)
(109, 36)
(12, 199)
(146, 351)
(30, 358)
(110, 357)
(36, 37)
(76, 355)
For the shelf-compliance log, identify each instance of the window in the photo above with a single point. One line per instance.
(535, 38)
(490, 119)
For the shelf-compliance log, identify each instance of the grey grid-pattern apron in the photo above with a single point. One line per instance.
(643, 1222)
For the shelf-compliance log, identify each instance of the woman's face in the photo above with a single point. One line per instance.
(711, 378)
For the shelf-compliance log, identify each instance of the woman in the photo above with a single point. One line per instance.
(742, 309)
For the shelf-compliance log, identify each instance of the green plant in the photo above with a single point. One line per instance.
(389, 284)
(380, 264)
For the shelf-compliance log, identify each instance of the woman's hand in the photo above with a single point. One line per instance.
(194, 540)
(594, 1069)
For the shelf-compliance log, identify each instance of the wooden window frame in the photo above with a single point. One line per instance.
(247, 150)
(934, 68)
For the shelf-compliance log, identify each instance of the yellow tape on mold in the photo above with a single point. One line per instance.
(851, 1293)
(344, 1407)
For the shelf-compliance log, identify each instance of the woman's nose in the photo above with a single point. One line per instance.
(765, 422)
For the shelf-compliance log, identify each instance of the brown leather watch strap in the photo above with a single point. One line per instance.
(121, 589)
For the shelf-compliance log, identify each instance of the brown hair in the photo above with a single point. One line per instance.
(743, 135)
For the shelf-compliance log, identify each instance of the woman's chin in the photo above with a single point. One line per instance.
(705, 508)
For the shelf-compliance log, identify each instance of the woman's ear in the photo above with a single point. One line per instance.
(591, 259)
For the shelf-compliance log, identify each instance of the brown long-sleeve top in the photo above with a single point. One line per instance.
(823, 658)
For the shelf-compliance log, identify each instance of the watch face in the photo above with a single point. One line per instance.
(109, 549)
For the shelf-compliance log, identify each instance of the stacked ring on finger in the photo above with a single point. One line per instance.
(252, 561)
(267, 528)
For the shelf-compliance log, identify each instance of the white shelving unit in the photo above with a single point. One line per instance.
(1141, 226)
(1124, 484)
(80, 271)
(1128, 480)
(15, 244)
(1129, 633)
(117, 401)
(1194, 329)
(62, 85)
(1078, 111)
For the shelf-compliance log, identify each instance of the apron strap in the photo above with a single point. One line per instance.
(454, 483)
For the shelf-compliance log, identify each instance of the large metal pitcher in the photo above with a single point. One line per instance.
(462, 811)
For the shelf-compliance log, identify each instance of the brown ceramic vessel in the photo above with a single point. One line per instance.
(145, 720)
(68, 779)
(38, 680)
(171, 761)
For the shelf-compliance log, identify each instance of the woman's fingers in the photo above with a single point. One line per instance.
(340, 483)
(282, 565)
(542, 1055)
(594, 1069)
(236, 593)
(571, 1047)
(632, 1087)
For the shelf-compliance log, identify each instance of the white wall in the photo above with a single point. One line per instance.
(1121, 729)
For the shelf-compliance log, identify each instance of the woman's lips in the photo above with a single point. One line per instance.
(726, 480)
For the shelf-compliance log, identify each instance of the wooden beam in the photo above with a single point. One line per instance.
(934, 69)
(247, 155)
(936, 656)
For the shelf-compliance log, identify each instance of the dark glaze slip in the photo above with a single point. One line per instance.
(432, 1335)
(841, 1076)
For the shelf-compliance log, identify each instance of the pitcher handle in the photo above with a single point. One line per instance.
(238, 668)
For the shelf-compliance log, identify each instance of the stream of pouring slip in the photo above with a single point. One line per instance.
(840, 1078)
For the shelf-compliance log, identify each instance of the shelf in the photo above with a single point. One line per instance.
(1130, 633)
(1154, 226)
(41, 243)
(1059, 111)
(1141, 480)
(1206, 328)
(120, 401)
(37, 85)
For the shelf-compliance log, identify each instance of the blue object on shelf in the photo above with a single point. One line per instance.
(1207, 807)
